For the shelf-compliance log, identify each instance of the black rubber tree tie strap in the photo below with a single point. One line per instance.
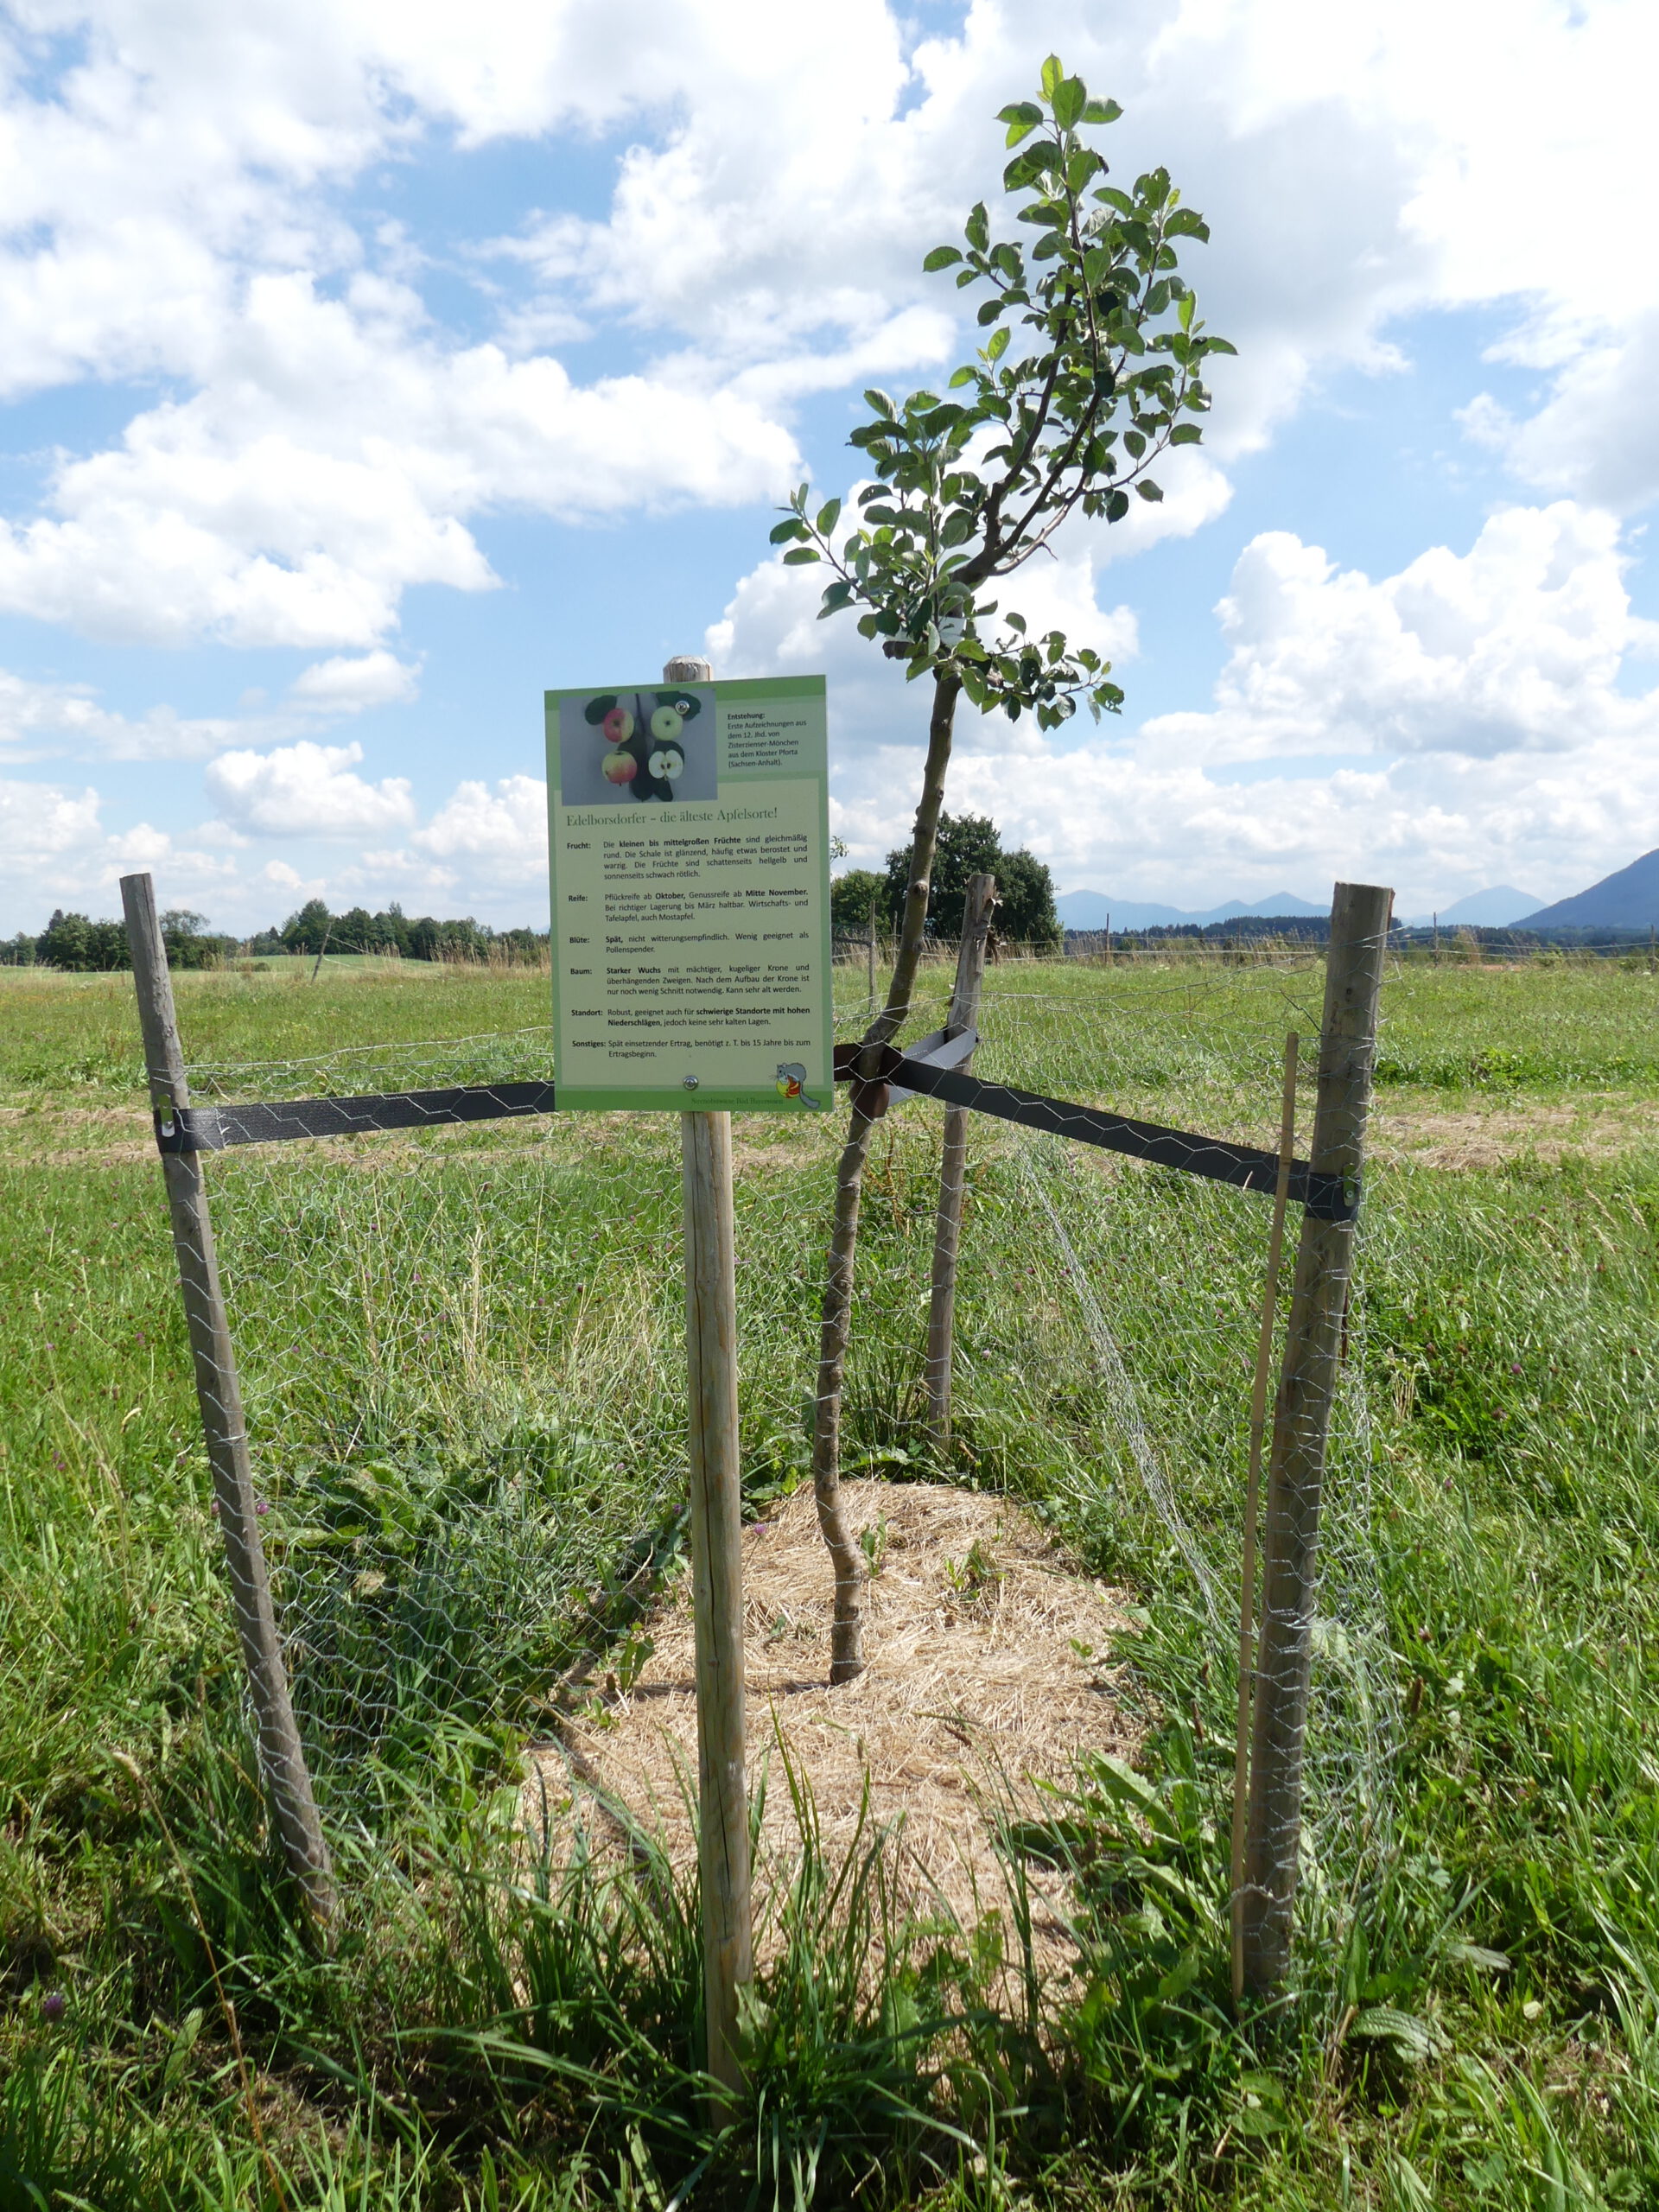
(1326, 1198)
(211, 1129)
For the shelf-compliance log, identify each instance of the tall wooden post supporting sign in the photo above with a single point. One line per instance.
(716, 1559)
(953, 1168)
(1301, 1421)
(219, 1392)
(689, 840)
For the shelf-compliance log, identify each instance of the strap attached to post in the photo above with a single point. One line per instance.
(1326, 1198)
(211, 1129)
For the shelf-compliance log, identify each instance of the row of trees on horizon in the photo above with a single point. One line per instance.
(969, 845)
(75, 942)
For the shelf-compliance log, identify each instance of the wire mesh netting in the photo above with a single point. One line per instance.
(461, 1352)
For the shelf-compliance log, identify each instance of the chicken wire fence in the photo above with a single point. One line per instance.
(461, 1354)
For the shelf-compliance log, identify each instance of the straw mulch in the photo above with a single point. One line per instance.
(989, 1672)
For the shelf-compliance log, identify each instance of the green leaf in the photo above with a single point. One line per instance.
(977, 229)
(1025, 169)
(835, 598)
(1070, 97)
(881, 404)
(999, 345)
(1184, 310)
(962, 376)
(989, 312)
(829, 516)
(942, 256)
(1117, 506)
(1102, 112)
(958, 527)
(1146, 487)
(1022, 119)
(596, 709)
(1053, 77)
(1185, 434)
(1412, 2040)
(781, 534)
(801, 556)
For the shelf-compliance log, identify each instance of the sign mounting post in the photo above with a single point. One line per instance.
(689, 835)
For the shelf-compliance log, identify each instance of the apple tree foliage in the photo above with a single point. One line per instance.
(1091, 369)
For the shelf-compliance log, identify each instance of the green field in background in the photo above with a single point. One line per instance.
(470, 1338)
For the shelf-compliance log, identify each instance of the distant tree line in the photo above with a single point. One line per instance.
(969, 845)
(81, 945)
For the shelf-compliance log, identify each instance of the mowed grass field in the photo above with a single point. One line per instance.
(460, 1356)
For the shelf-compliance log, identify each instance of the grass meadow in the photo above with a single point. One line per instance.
(460, 1352)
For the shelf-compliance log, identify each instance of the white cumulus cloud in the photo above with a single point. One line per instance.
(307, 790)
(1515, 646)
(347, 686)
(500, 833)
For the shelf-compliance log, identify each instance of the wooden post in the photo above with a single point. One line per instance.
(1301, 1420)
(716, 1560)
(221, 1397)
(947, 1226)
(1252, 1492)
(872, 958)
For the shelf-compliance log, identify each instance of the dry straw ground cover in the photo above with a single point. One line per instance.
(991, 1673)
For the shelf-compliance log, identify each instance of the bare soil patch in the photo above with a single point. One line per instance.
(990, 1673)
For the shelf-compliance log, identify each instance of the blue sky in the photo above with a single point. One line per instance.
(370, 367)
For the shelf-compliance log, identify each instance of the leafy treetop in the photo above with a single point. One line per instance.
(1091, 370)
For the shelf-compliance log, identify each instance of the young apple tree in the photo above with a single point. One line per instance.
(1091, 369)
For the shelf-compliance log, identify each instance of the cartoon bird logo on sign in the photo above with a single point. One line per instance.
(645, 738)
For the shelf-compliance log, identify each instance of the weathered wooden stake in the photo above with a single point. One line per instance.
(717, 1579)
(221, 1397)
(1252, 1492)
(1301, 1420)
(947, 1226)
(716, 1560)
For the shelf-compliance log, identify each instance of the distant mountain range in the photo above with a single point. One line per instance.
(1498, 909)
(1089, 910)
(1628, 899)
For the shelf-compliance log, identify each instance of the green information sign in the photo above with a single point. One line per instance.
(689, 832)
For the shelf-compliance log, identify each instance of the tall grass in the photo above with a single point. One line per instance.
(498, 2026)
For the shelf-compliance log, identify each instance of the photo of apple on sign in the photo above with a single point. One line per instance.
(651, 744)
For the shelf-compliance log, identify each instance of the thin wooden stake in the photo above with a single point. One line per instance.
(1258, 1428)
(716, 1563)
(219, 1394)
(947, 1227)
(718, 1581)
